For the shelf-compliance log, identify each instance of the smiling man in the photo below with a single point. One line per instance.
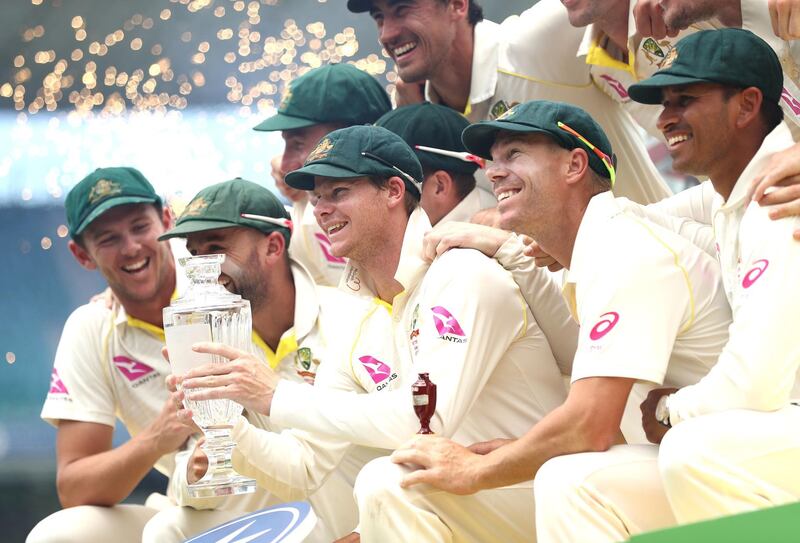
(495, 372)
(109, 365)
(318, 102)
(552, 175)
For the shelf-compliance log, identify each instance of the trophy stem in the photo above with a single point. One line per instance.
(220, 479)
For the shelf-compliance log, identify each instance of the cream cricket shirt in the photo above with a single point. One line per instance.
(464, 321)
(647, 55)
(312, 248)
(760, 262)
(473, 202)
(531, 57)
(650, 304)
(108, 365)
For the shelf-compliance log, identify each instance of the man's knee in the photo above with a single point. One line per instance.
(377, 481)
(164, 527)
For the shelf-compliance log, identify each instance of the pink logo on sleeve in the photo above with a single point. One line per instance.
(376, 369)
(606, 323)
(131, 369)
(57, 386)
(616, 85)
(790, 101)
(760, 266)
(447, 325)
(325, 247)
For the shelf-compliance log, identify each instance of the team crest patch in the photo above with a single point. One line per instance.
(447, 326)
(508, 114)
(413, 334)
(500, 109)
(103, 189)
(669, 59)
(321, 151)
(195, 207)
(286, 97)
(133, 370)
(306, 364)
(57, 386)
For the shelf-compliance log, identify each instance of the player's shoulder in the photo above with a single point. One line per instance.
(468, 266)
(93, 315)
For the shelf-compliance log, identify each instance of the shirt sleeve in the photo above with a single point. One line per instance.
(694, 203)
(466, 323)
(80, 385)
(757, 368)
(543, 295)
(631, 306)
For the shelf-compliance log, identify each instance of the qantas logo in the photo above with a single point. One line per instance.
(616, 85)
(133, 370)
(57, 386)
(790, 101)
(325, 246)
(447, 325)
(376, 369)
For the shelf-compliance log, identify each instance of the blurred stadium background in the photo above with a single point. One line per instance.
(172, 87)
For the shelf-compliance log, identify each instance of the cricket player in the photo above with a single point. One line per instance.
(461, 319)
(650, 304)
(482, 68)
(318, 102)
(108, 365)
(295, 324)
(728, 444)
(433, 131)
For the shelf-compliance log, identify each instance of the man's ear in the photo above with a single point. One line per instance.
(443, 183)
(272, 246)
(167, 217)
(81, 255)
(577, 166)
(750, 100)
(460, 8)
(396, 191)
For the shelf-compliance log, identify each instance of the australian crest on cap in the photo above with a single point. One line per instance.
(286, 97)
(671, 56)
(321, 151)
(195, 207)
(103, 189)
(509, 113)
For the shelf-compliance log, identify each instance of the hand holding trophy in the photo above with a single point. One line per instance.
(208, 312)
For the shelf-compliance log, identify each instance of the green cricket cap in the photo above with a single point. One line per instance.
(237, 202)
(569, 126)
(434, 126)
(360, 151)
(336, 93)
(359, 6)
(728, 56)
(103, 189)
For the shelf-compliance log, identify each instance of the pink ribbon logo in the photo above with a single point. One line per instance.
(376, 369)
(446, 323)
(131, 369)
(757, 271)
(325, 246)
(606, 323)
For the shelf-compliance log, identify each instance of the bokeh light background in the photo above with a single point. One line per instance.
(172, 87)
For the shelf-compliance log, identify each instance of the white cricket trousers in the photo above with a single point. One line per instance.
(707, 467)
(388, 513)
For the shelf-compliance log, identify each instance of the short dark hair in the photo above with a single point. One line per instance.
(410, 199)
(771, 112)
(475, 14)
(464, 182)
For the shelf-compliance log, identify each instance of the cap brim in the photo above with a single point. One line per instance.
(110, 203)
(649, 90)
(478, 138)
(192, 226)
(281, 121)
(303, 179)
(359, 6)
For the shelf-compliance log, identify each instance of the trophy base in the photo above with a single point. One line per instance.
(222, 486)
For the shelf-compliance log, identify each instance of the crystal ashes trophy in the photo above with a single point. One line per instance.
(208, 312)
(424, 394)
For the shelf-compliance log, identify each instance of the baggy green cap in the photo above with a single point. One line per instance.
(433, 126)
(359, 6)
(237, 202)
(336, 93)
(728, 56)
(360, 151)
(569, 126)
(103, 189)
